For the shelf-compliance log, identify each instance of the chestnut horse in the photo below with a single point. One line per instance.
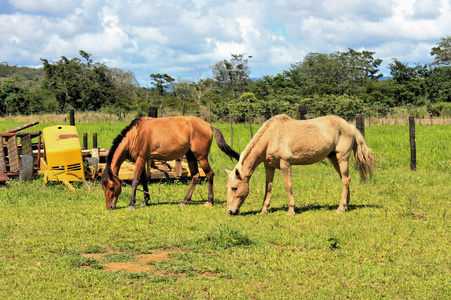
(162, 139)
(282, 142)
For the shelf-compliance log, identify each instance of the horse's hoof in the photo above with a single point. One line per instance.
(208, 204)
(340, 210)
(263, 212)
(131, 207)
(291, 213)
(143, 204)
(182, 203)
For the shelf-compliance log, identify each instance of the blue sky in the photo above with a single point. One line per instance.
(185, 37)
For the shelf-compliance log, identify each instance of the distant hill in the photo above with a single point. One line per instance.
(33, 74)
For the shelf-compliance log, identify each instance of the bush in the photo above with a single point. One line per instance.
(343, 106)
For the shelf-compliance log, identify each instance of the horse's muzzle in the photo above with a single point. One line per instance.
(233, 212)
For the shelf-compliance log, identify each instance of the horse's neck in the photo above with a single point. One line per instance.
(253, 157)
(120, 155)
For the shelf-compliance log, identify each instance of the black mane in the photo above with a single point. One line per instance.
(119, 138)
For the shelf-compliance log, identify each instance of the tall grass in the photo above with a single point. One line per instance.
(393, 243)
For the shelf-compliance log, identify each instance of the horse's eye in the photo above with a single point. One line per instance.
(234, 189)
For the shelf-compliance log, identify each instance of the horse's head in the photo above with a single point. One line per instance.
(237, 190)
(112, 188)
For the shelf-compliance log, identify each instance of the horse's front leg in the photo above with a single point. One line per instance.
(268, 188)
(145, 188)
(139, 167)
(194, 170)
(285, 167)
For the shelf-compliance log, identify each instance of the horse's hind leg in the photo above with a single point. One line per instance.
(342, 167)
(145, 187)
(209, 174)
(194, 170)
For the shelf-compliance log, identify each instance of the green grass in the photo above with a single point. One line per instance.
(393, 243)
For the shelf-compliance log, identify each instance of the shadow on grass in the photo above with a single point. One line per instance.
(164, 202)
(311, 207)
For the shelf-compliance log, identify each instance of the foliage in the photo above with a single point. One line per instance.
(340, 82)
(232, 75)
(335, 73)
(83, 86)
(195, 91)
(442, 52)
(12, 97)
(438, 85)
(344, 106)
(161, 82)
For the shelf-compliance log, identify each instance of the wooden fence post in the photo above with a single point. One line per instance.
(413, 149)
(85, 141)
(231, 126)
(94, 140)
(360, 125)
(301, 112)
(250, 120)
(72, 117)
(153, 112)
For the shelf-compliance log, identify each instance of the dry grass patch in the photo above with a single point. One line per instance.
(134, 263)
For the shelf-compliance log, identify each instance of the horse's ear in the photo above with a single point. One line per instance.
(237, 174)
(228, 172)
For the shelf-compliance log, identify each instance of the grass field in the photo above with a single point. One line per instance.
(394, 242)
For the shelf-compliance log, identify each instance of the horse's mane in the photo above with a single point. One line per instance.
(107, 173)
(118, 140)
(276, 119)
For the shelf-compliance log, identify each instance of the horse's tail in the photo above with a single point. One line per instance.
(222, 144)
(363, 156)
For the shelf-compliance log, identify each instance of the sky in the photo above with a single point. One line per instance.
(183, 38)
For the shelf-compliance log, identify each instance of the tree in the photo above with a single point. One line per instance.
(84, 86)
(193, 90)
(336, 73)
(161, 82)
(232, 75)
(438, 84)
(125, 90)
(63, 78)
(442, 53)
(410, 82)
(12, 98)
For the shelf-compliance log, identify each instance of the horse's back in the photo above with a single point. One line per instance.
(308, 141)
(169, 137)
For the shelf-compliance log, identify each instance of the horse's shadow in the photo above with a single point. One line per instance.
(311, 207)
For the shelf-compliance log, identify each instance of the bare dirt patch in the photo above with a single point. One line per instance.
(140, 264)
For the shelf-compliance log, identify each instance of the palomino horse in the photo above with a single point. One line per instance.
(282, 142)
(162, 139)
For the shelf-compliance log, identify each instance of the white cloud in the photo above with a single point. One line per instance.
(179, 35)
(51, 7)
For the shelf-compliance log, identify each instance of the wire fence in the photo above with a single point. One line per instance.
(393, 148)
(388, 138)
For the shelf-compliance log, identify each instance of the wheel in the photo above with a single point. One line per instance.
(26, 168)
(93, 165)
